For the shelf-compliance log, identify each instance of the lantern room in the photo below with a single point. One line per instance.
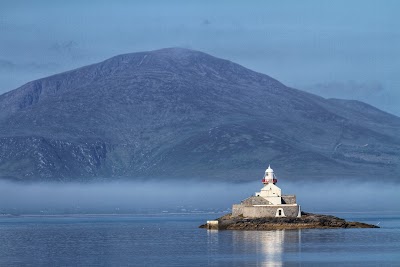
(269, 176)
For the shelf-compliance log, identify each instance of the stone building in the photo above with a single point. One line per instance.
(269, 202)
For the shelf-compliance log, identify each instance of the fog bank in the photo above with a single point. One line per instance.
(187, 196)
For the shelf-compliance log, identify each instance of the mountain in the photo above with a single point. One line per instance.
(179, 113)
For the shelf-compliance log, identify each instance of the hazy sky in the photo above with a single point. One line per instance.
(105, 197)
(344, 49)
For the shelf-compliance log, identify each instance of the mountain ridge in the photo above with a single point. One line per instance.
(146, 114)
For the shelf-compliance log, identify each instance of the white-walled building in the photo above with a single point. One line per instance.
(269, 202)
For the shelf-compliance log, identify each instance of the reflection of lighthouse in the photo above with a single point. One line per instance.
(268, 247)
(272, 247)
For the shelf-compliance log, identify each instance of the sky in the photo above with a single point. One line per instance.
(340, 49)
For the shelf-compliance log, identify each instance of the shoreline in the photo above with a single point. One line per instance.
(306, 221)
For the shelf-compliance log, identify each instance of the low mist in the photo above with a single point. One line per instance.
(187, 196)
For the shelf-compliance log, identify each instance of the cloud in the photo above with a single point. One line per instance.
(7, 65)
(64, 47)
(347, 88)
(132, 197)
(206, 22)
(14, 74)
(60, 56)
(375, 93)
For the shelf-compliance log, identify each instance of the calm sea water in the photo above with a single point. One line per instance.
(175, 240)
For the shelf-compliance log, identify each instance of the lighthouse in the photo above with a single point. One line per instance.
(270, 191)
(269, 176)
(269, 202)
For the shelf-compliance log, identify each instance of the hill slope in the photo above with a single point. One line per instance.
(174, 113)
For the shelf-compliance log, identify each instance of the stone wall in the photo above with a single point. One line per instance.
(270, 211)
(288, 199)
(255, 201)
(237, 210)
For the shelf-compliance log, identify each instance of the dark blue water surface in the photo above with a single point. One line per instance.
(176, 240)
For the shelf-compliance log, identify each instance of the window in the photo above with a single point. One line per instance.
(280, 213)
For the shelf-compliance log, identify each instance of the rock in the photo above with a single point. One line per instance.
(306, 221)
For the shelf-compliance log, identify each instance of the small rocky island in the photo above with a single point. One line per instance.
(306, 221)
(270, 210)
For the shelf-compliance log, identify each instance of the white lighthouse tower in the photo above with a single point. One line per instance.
(270, 191)
(269, 176)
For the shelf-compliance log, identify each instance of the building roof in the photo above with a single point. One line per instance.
(255, 200)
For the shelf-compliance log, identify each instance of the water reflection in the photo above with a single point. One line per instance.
(212, 245)
(267, 247)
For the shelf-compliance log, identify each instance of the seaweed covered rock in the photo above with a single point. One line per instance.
(306, 221)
